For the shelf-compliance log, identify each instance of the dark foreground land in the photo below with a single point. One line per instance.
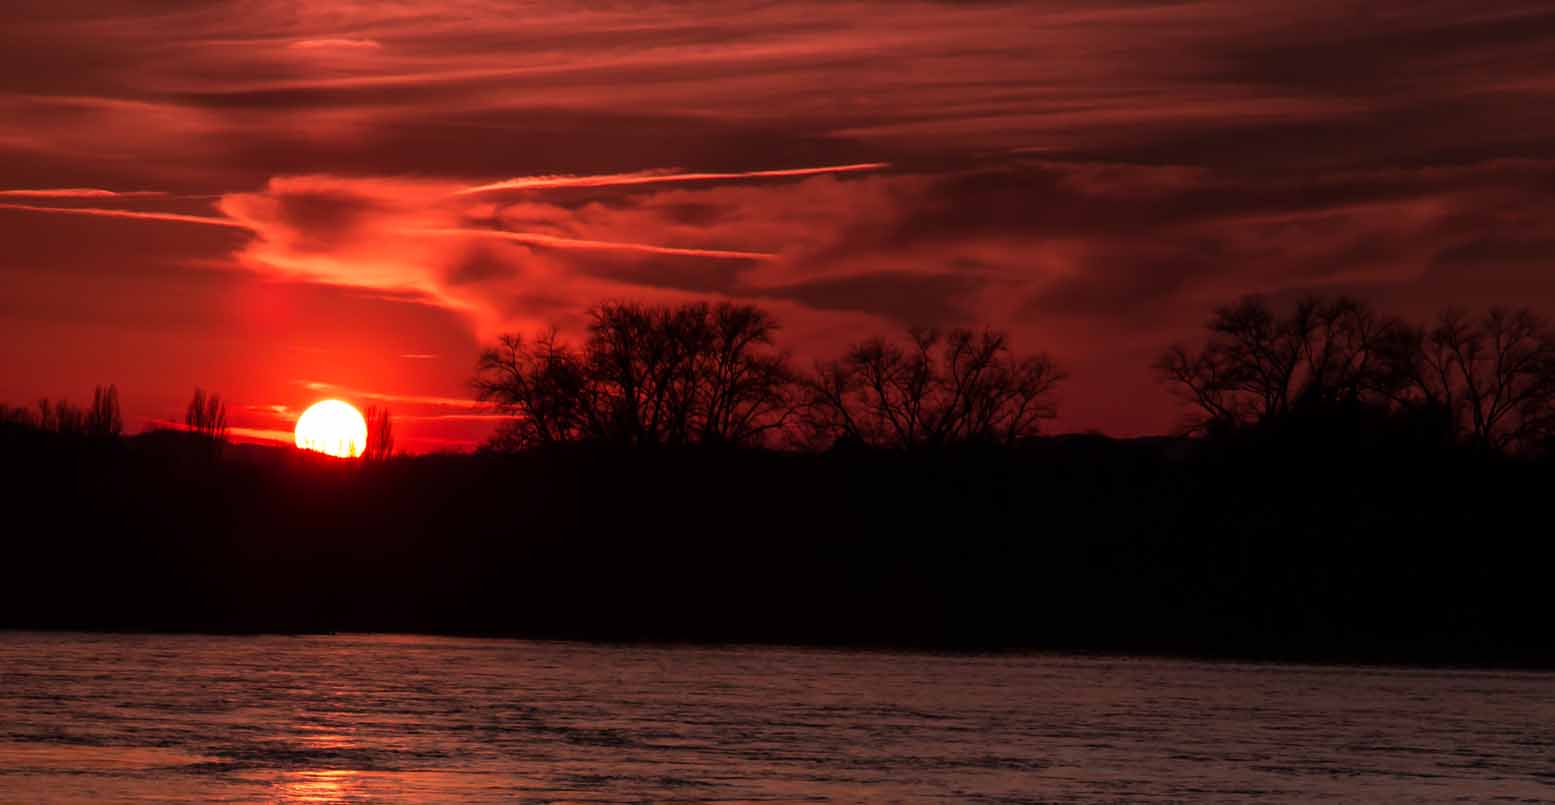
(1309, 545)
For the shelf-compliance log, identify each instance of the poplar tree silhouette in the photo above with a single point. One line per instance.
(380, 435)
(207, 415)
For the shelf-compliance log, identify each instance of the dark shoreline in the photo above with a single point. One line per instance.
(1380, 663)
(1276, 549)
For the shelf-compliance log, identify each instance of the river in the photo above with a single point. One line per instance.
(355, 718)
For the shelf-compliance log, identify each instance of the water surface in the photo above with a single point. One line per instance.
(377, 717)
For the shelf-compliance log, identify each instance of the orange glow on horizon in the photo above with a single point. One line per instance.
(334, 428)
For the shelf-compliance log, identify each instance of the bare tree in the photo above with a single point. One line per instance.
(542, 385)
(46, 419)
(1257, 366)
(17, 415)
(645, 376)
(380, 435)
(60, 416)
(207, 415)
(1495, 374)
(640, 364)
(103, 419)
(939, 389)
(742, 388)
(1203, 381)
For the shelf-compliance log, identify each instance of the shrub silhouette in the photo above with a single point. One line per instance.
(15, 415)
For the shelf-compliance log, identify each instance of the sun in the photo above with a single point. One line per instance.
(334, 428)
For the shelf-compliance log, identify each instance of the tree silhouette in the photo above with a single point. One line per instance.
(639, 363)
(16, 415)
(380, 435)
(1486, 380)
(743, 389)
(645, 376)
(103, 419)
(938, 390)
(207, 415)
(1257, 365)
(692, 374)
(61, 417)
(541, 384)
(1494, 374)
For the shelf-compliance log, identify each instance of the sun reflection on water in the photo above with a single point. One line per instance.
(320, 785)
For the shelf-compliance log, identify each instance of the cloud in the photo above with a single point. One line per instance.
(554, 241)
(910, 298)
(335, 43)
(662, 177)
(905, 249)
(260, 434)
(413, 399)
(133, 214)
(79, 192)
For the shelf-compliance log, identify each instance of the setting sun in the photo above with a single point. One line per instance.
(334, 428)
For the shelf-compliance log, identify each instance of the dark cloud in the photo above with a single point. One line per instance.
(323, 220)
(694, 274)
(1383, 49)
(82, 249)
(484, 265)
(907, 298)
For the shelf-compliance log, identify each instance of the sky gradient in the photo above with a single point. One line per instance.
(284, 201)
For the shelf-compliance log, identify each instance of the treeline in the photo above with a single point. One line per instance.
(701, 374)
(1485, 380)
(101, 419)
(712, 375)
(205, 416)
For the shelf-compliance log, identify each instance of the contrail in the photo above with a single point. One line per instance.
(144, 216)
(554, 241)
(79, 192)
(656, 177)
(451, 402)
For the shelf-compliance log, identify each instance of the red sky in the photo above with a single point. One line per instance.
(281, 201)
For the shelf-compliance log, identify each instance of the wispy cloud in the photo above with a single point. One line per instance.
(264, 434)
(664, 176)
(558, 242)
(132, 214)
(336, 43)
(479, 418)
(79, 192)
(412, 399)
(248, 434)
